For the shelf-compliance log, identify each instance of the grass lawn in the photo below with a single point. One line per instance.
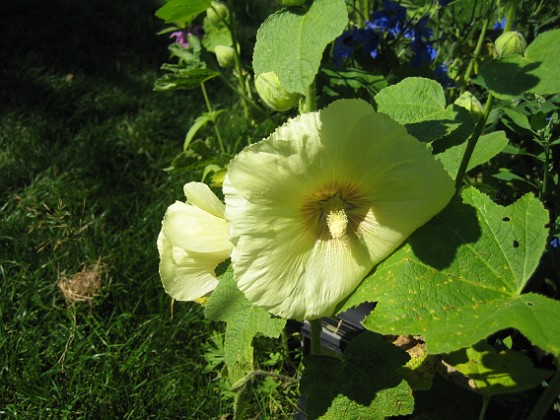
(83, 144)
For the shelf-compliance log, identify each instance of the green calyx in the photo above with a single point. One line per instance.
(273, 93)
(510, 43)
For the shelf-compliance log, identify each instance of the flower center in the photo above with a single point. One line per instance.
(334, 212)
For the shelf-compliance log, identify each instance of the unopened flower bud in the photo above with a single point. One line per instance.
(225, 55)
(217, 14)
(273, 93)
(468, 101)
(510, 43)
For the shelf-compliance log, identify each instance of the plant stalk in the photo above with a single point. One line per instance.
(476, 53)
(485, 401)
(316, 329)
(472, 142)
(211, 111)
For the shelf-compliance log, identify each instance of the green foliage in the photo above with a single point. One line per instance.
(363, 383)
(181, 10)
(420, 105)
(487, 147)
(244, 322)
(535, 72)
(501, 248)
(490, 372)
(291, 44)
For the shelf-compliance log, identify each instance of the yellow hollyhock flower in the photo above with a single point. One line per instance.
(312, 208)
(192, 242)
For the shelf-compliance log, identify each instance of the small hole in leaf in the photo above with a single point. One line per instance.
(515, 244)
(506, 219)
(530, 304)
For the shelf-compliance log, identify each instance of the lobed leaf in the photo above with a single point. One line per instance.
(243, 322)
(460, 277)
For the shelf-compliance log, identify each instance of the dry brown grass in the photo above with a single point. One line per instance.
(83, 286)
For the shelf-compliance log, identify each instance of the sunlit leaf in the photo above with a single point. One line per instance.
(291, 43)
(489, 372)
(460, 277)
(244, 321)
(419, 104)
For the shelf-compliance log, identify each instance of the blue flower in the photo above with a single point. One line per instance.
(420, 44)
(500, 25)
(440, 74)
(355, 41)
(391, 20)
(555, 243)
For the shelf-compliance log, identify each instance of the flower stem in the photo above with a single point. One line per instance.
(471, 143)
(211, 111)
(547, 398)
(485, 401)
(240, 73)
(310, 102)
(476, 53)
(316, 329)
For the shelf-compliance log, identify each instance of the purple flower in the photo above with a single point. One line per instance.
(180, 38)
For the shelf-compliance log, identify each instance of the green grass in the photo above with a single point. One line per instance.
(83, 144)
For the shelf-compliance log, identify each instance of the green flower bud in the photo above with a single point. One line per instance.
(510, 43)
(217, 14)
(468, 101)
(225, 55)
(289, 3)
(273, 93)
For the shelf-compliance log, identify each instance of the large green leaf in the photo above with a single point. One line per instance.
(486, 148)
(460, 277)
(545, 50)
(419, 104)
(364, 383)
(243, 322)
(291, 43)
(182, 10)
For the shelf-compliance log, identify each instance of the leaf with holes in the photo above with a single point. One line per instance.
(460, 277)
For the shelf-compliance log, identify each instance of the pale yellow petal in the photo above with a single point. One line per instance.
(184, 276)
(327, 196)
(200, 195)
(195, 230)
